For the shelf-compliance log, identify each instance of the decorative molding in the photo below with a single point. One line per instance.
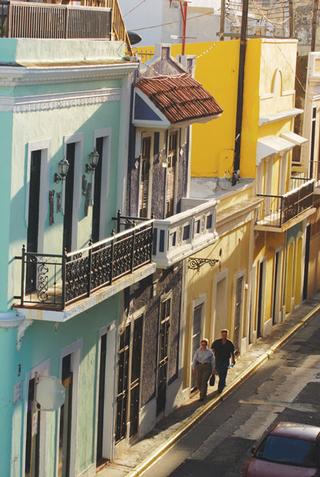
(46, 102)
(22, 328)
(21, 75)
(11, 319)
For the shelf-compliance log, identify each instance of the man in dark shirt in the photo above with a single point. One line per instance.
(224, 351)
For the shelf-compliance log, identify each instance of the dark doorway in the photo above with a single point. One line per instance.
(165, 313)
(260, 299)
(33, 219)
(129, 379)
(313, 141)
(123, 379)
(96, 210)
(135, 375)
(101, 399)
(238, 312)
(276, 287)
(32, 434)
(66, 419)
(306, 263)
(196, 336)
(69, 196)
(145, 176)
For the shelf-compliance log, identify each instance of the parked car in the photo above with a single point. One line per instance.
(288, 450)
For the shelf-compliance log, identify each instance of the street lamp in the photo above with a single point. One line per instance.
(94, 157)
(63, 168)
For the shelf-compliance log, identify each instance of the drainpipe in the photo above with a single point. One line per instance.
(184, 15)
(239, 118)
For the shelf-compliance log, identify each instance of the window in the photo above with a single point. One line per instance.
(173, 239)
(197, 226)
(285, 450)
(145, 169)
(186, 232)
(209, 222)
(172, 157)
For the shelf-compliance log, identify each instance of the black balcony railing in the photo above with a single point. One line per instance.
(276, 210)
(51, 281)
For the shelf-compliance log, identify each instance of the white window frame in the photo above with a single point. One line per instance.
(145, 134)
(42, 369)
(75, 350)
(78, 139)
(106, 134)
(44, 147)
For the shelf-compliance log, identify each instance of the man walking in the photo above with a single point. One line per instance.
(224, 351)
(203, 364)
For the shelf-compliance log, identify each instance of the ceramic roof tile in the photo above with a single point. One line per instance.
(179, 97)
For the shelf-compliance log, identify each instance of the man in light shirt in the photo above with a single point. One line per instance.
(203, 364)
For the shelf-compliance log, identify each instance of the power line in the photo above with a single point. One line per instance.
(135, 7)
(172, 23)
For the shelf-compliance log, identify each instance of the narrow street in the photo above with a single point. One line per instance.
(286, 388)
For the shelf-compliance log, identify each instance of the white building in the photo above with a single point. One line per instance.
(161, 21)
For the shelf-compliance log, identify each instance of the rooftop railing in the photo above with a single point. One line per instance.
(99, 20)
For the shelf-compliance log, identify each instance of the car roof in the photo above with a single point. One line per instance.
(299, 431)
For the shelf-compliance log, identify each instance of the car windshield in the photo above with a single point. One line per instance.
(285, 450)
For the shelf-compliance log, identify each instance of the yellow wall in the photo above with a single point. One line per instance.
(269, 88)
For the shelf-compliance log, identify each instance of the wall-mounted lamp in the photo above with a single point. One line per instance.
(63, 167)
(93, 157)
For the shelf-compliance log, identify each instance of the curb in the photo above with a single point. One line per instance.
(211, 405)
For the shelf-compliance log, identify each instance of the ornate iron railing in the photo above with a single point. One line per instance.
(276, 210)
(50, 281)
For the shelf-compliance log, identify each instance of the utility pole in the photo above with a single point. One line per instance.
(222, 19)
(184, 16)
(242, 60)
(291, 19)
(315, 11)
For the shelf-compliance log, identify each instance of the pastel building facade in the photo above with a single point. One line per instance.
(65, 107)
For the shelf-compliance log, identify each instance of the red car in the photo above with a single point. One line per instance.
(288, 450)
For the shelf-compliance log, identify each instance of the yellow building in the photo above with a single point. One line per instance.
(257, 274)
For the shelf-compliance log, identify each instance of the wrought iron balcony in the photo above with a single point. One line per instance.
(52, 282)
(183, 234)
(100, 20)
(278, 210)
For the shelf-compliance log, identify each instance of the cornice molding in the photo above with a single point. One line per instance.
(46, 102)
(22, 75)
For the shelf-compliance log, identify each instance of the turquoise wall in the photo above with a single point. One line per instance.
(54, 125)
(45, 341)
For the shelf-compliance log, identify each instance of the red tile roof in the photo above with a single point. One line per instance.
(179, 97)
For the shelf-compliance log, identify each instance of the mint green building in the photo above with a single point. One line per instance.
(64, 114)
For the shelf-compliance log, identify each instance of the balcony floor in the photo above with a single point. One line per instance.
(43, 313)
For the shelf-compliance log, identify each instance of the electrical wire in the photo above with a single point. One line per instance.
(134, 8)
(151, 27)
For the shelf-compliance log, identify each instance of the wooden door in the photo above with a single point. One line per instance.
(144, 185)
(96, 209)
(66, 410)
(69, 199)
(163, 358)
(101, 399)
(123, 380)
(33, 219)
(196, 335)
(32, 434)
(135, 375)
(238, 312)
(171, 172)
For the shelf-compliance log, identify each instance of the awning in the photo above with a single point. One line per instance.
(270, 145)
(293, 137)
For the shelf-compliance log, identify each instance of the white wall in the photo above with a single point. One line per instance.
(203, 24)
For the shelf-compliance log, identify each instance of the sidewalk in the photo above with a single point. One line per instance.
(170, 429)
